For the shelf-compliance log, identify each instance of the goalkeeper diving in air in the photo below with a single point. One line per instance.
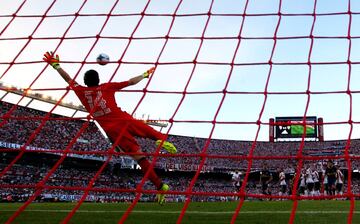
(121, 128)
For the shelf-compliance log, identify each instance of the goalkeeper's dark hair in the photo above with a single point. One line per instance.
(91, 78)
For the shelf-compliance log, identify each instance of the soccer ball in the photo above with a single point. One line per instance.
(103, 59)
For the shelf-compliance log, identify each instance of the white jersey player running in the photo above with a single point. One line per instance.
(282, 180)
(302, 183)
(316, 178)
(236, 178)
(339, 182)
(309, 182)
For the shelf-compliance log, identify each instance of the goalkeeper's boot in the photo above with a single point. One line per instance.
(169, 147)
(161, 196)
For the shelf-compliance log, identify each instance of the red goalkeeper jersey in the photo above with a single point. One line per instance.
(100, 100)
(118, 125)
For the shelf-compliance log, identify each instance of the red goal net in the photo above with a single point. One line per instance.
(222, 70)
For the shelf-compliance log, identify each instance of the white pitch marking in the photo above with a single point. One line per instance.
(188, 212)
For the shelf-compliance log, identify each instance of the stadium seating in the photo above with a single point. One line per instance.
(58, 132)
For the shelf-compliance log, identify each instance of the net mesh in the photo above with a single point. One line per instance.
(238, 40)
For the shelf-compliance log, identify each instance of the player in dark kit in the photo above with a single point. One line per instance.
(330, 172)
(265, 179)
(121, 128)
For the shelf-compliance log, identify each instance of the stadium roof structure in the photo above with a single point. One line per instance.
(48, 99)
(38, 96)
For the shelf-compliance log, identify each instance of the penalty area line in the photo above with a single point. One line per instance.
(188, 212)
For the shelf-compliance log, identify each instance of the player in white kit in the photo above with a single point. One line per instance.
(302, 183)
(339, 181)
(309, 182)
(316, 178)
(237, 181)
(282, 180)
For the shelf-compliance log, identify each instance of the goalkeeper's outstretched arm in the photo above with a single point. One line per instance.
(145, 75)
(54, 61)
(64, 75)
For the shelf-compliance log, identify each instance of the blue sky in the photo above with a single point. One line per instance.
(207, 77)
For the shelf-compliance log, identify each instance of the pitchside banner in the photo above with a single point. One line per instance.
(184, 167)
(295, 127)
(9, 145)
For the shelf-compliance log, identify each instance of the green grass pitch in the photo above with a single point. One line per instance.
(207, 213)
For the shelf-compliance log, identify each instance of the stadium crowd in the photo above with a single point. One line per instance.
(58, 132)
(225, 157)
(120, 184)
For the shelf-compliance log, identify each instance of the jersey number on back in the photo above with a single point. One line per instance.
(99, 101)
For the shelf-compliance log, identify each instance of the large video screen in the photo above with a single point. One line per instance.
(294, 127)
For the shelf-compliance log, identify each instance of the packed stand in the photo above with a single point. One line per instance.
(220, 155)
(119, 185)
(56, 134)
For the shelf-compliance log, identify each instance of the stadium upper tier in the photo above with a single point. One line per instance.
(58, 132)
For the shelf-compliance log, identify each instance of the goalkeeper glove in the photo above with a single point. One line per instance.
(52, 60)
(148, 72)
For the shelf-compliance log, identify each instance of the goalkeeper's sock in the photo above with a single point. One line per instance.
(153, 177)
(161, 196)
